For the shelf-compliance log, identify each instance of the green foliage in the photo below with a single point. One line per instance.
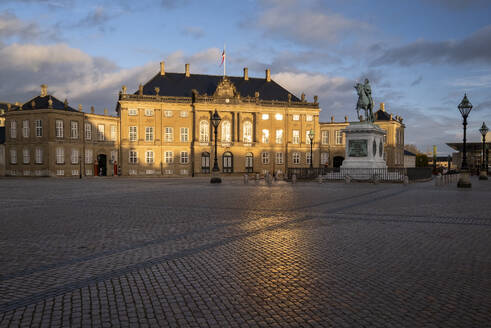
(421, 160)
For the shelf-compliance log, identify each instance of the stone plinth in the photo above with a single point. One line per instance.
(364, 146)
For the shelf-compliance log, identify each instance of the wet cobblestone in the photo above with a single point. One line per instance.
(184, 253)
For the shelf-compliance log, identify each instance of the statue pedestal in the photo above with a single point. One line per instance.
(364, 151)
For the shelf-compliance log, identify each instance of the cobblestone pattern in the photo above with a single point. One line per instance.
(178, 253)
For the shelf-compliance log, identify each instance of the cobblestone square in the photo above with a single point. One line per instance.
(122, 252)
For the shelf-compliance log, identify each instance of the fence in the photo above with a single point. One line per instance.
(442, 180)
(329, 173)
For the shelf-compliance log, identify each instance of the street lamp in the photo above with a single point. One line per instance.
(311, 137)
(484, 169)
(465, 108)
(215, 121)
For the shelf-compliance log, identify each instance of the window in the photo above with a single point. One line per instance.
(205, 162)
(183, 113)
(228, 162)
(249, 162)
(265, 116)
(325, 159)
(59, 128)
(296, 117)
(265, 137)
(133, 157)
(168, 157)
(307, 138)
(309, 118)
(74, 157)
(114, 156)
(39, 128)
(204, 131)
(60, 155)
(148, 112)
(278, 116)
(296, 137)
(385, 137)
(339, 137)
(13, 129)
(184, 157)
(13, 156)
(296, 158)
(149, 133)
(149, 157)
(60, 172)
(25, 128)
(100, 132)
(132, 133)
(226, 128)
(169, 134)
(39, 156)
(88, 131)
(265, 158)
(114, 133)
(247, 137)
(325, 137)
(132, 111)
(279, 136)
(74, 130)
(184, 134)
(88, 156)
(168, 113)
(279, 158)
(308, 157)
(26, 156)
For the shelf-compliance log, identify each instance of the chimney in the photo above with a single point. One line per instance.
(92, 109)
(382, 107)
(316, 98)
(332, 119)
(44, 90)
(65, 104)
(79, 107)
(162, 68)
(268, 75)
(9, 107)
(123, 89)
(187, 70)
(302, 97)
(391, 117)
(140, 89)
(105, 111)
(346, 118)
(246, 74)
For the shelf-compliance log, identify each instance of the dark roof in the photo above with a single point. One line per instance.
(42, 103)
(4, 106)
(178, 85)
(2, 134)
(381, 115)
(408, 153)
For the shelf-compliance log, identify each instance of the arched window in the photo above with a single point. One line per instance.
(204, 131)
(249, 163)
(228, 162)
(205, 162)
(247, 132)
(226, 136)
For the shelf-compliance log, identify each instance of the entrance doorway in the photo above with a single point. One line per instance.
(228, 166)
(337, 161)
(102, 164)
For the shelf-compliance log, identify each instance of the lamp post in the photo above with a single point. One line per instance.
(484, 167)
(215, 121)
(465, 108)
(311, 137)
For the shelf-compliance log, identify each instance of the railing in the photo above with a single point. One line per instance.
(442, 180)
(328, 173)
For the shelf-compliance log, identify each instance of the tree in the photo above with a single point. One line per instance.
(421, 160)
(412, 148)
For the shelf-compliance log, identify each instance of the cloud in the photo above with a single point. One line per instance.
(474, 49)
(98, 17)
(301, 22)
(460, 4)
(193, 31)
(13, 28)
(417, 81)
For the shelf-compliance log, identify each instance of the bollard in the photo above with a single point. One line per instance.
(320, 178)
(406, 180)
(294, 178)
(438, 180)
(376, 179)
(347, 179)
(246, 179)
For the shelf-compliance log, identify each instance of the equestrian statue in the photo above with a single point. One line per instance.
(365, 101)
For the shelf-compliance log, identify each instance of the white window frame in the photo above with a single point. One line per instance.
(13, 129)
(59, 128)
(168, 134)
(133, 156)
(296, 117)
(325, 158)
(226, 135)
(308, 157)
(278, 116)
(339, 137)
(149, 112)
(247, 132)
(73, 129)
(149, 157)
(13, 156)
(204, 131)
(296, 158)
(132, 111)
(309, 118)
(325, 137)
(279, 136)
(184, 134)
(183, 114)
(265, 117)
(60, 155)
(133, 133)
(149, 133)
(307, 139)
(26, 156)
(74, 156)
(184, 159)
(88, 131)
(101, 132)
(168, 113)
(89, 156)
(296, 137)
(25, 128)
(169, 157)
(38, 155)
(265, 158)
(114, 132)
(279, 158)
(39, 127)
(265, 136)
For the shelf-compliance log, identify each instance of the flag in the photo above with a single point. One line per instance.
(223, 57)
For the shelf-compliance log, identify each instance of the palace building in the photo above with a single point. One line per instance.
(164, 129)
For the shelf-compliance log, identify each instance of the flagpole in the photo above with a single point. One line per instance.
(224, 61)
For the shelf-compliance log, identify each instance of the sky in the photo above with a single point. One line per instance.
(420, 56)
